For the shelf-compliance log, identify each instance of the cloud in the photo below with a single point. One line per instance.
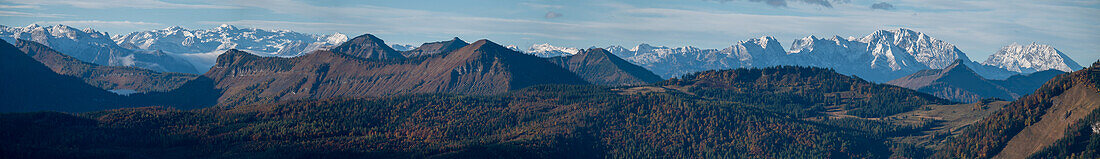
(783, 3)
(552, 14)
(101, 4)
(882, 6)
(103, 24)
(316, 27)
(99, 22)
(17, 6)
(542, 6)
(25, 14)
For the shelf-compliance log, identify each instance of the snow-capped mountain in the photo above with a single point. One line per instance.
(547, 50)
(402, 47)
(1031, 58)
(96, 47)
(203, 46)
(881, 56)
(671, 62)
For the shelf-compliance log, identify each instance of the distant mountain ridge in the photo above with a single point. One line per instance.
(260, 41)
(31, 86)
(598, 66)
(95, 47)
(881, 56)
(201, 47)
(105, 77)
(958, 82)
(433, 48)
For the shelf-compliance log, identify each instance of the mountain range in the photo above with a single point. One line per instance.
(95, 47)
(882, 56)
(113, 78)
(453, 99)
(201, 47)
(365, 67)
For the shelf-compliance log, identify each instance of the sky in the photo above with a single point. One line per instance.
(977, 27)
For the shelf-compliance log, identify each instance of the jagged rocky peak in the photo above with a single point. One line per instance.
(1029, 58)
(929, 51)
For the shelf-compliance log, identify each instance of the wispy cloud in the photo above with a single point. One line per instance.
(296, 26)
(145, 4)
(542, 6)
(26, 14)
(101, 24)
(17, 6)
(783, 3)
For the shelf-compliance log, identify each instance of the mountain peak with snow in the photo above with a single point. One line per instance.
(1030, 58)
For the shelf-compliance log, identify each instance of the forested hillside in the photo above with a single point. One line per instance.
(543, 121)
(1053, 122)
(802, 90)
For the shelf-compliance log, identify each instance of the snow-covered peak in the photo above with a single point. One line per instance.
(1031, 58)
(547, 50)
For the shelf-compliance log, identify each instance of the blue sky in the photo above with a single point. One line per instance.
(978, 28)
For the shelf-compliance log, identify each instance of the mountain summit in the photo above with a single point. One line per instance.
(598, 66)
(368, 46)
(433, 48)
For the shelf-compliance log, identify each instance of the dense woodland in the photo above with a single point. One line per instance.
(803, 90)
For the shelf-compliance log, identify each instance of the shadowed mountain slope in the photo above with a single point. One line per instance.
(105, 77)
(598, 66)
(958, 82)
(28, 85)
(1057, 121)
(433, 48)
